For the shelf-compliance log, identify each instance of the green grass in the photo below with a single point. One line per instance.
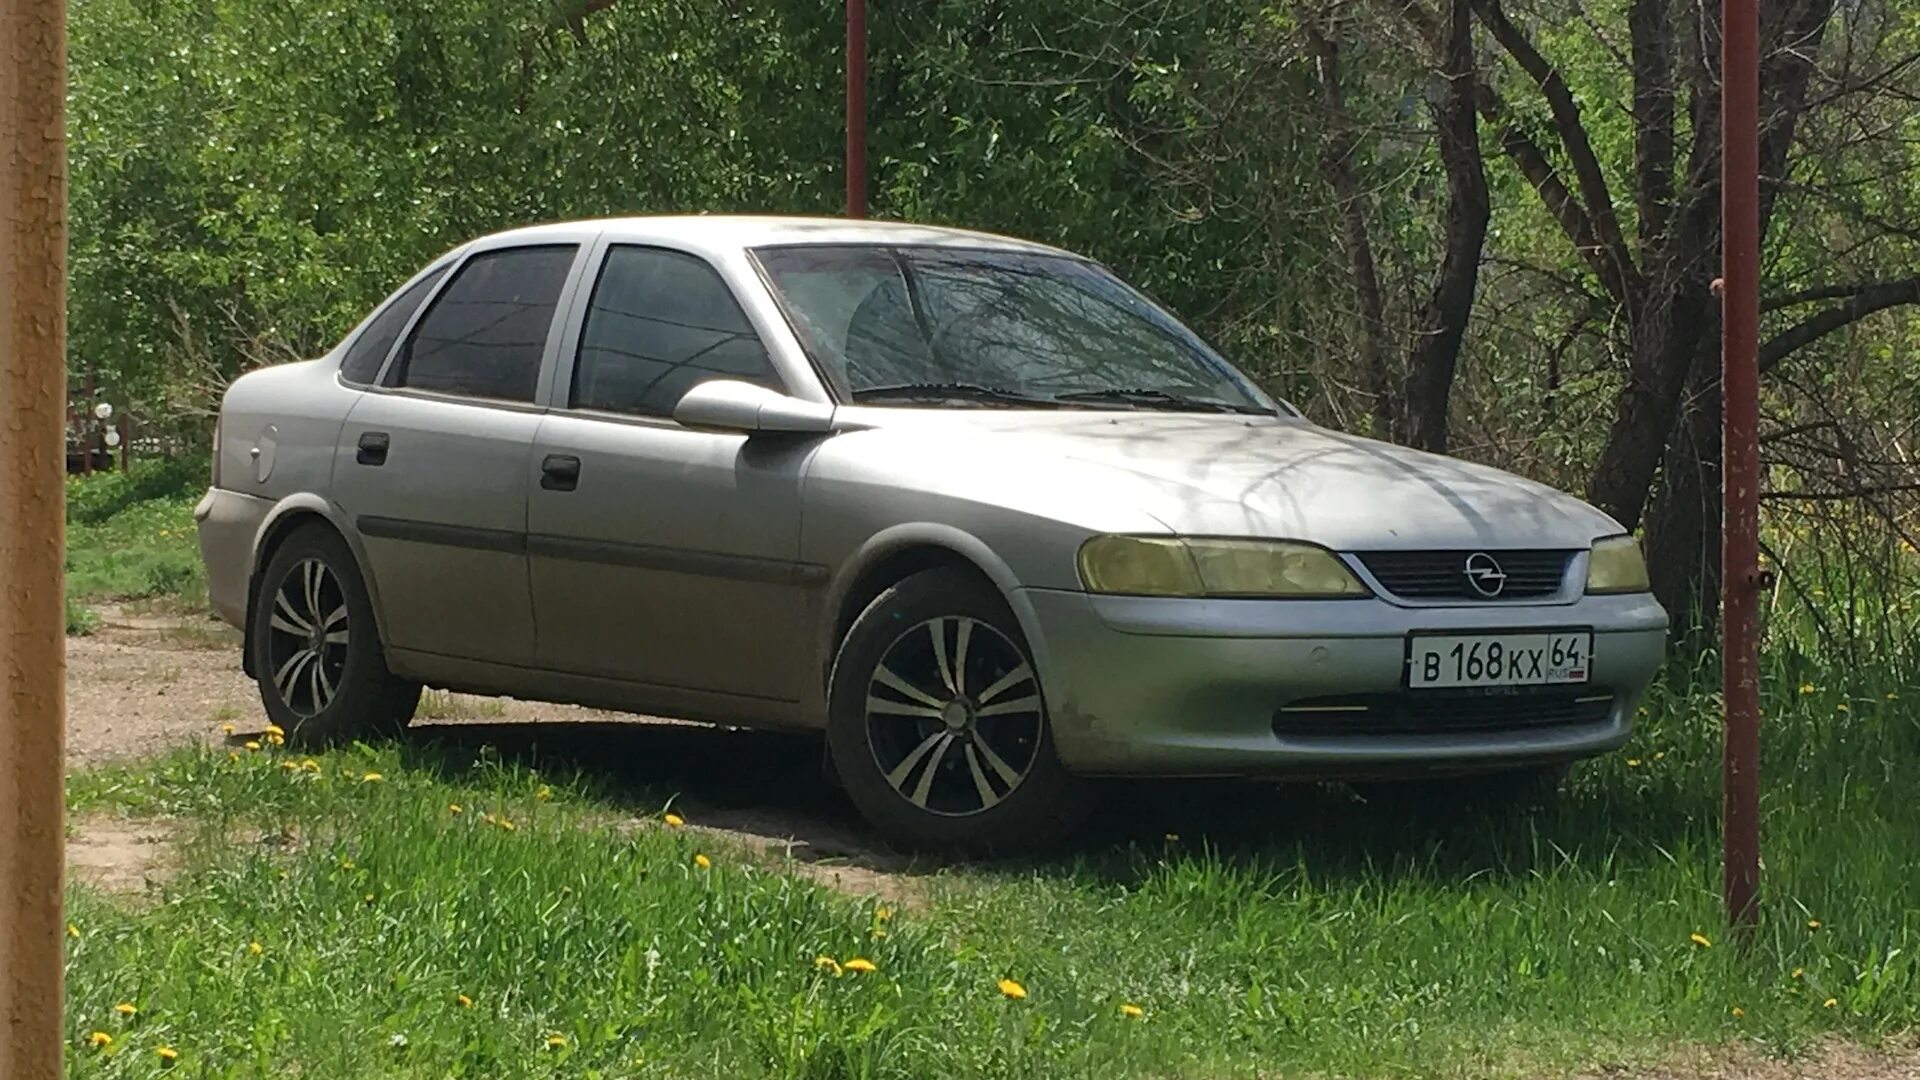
(1290, 933)
(131, 536)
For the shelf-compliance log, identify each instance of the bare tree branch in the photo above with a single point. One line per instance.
(1866, 302)
(1573, 134)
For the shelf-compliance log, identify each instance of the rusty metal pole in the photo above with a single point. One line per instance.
(33, 401)
(856, 108)
(1740, 440)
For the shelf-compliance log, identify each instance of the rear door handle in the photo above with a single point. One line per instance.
(560, 472)
(373, 448)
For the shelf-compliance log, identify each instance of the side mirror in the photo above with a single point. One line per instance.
(730, 405)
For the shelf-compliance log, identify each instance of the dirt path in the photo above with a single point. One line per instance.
(145, 682)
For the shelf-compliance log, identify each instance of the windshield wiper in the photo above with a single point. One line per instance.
(953, 391)
(1160, 399)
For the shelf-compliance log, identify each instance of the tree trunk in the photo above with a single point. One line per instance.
(1435, 354)
(1337, 164)
(1684, 519)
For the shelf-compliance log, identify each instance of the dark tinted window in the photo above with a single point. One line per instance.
(485, 331)
(370, 349)
(662, 322)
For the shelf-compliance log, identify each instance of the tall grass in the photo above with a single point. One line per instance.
(1281, 930)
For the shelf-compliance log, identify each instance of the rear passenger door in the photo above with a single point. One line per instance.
(432, 464)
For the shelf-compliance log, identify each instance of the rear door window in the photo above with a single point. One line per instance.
(662, 322)
(484, 335)
(370, 349)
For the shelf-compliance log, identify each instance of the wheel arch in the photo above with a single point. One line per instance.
(288, 515)
(896, 553)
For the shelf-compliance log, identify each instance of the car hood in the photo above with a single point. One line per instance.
(1232, 475)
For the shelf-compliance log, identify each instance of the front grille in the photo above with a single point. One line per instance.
(1431, 712)
(1442, 575)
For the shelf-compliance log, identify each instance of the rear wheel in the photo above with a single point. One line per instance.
(317, 655)
(937, 726)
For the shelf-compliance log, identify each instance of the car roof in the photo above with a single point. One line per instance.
(714, 232)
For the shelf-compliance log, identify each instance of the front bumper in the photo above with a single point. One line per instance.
(1178, 687)
(229, 523)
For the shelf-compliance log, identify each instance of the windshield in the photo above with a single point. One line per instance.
(928, 325)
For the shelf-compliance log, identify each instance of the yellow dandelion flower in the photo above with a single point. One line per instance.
(505, 825)
(226, 729)
(454, 808)
(1739, 1013)
(556, 1042)
(860, 965)
(463, 1001)
(882, 913)
(309, 765)
(1701, 940)
(1659, 755)
(674, 821)
(1133, 1012)
(276, 729)
(233, 755)
(1012, 989)
(254, 949)
(1797, 972)
(100, 1039)
(879, 932)
(250, 745)
(1813, 924)
(372, 778)
(1807, 688)
(703, 862)
(1843, 707)
(827, 963)
(276, 740)
(1893, 695)
(367, 898)
(1173, 838)
(166, 1053)
(544, 793)
(125, 1008)
(346, 864)
(1633, 763)
(288, 766)
(73, 931)
(1829, 1003)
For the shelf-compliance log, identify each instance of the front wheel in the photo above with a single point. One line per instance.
(316, 651)
(937, 725)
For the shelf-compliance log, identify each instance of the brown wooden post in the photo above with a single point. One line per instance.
(1740, 580)
(33, 399)
(856, 108)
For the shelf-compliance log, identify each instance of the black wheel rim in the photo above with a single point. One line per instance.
(307, 638)
(954, 716)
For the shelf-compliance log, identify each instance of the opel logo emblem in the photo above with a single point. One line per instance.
(1485, 575)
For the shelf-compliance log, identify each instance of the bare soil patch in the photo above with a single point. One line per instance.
(1832, 1060)
(121, 855)
(146, 681)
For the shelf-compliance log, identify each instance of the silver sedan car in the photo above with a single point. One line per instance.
(975, 508)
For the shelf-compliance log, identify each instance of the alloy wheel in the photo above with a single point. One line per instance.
(954, 716)
(307, 637)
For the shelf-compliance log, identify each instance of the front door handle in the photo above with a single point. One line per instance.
(560, 472)
(373, 448)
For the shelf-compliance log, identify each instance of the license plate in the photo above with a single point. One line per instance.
(1536, 659)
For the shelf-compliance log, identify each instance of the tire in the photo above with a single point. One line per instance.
(932, 765)
(312, 580)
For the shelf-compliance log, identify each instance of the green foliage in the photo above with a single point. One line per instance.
(131, 536)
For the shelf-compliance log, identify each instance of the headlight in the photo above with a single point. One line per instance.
(1167, 566)
(1616, 566)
